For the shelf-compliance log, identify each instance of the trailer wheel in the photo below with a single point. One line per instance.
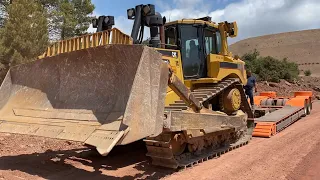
(263, 102)
(284, 102)
(308, 107)
(310, 101)
(305, 109)
(270, 102)
(279, 102)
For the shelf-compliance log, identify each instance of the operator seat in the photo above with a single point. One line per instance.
(193, 54)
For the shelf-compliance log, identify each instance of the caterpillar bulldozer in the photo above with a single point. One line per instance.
(182, 94)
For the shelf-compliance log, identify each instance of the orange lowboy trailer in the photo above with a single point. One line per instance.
(273, 114)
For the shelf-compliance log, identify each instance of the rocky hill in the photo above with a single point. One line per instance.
(302, 47)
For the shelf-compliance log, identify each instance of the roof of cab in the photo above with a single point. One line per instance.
(192, 21)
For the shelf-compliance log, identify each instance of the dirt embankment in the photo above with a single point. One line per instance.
(285, 88)
(2, 75)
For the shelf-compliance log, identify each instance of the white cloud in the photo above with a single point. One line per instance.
(162, 5)
(257, 17)
(261, 17)
(254, 17)
(91, 29)
(188, 3)
(125, 25)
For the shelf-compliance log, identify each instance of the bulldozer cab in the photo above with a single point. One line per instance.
(195, 42)
(202, 44)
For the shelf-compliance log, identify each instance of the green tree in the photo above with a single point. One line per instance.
(146, 42)
(269, 68)
(68, 18)
(250, 59)
(25, 34)
(3, 11)
(307, 73)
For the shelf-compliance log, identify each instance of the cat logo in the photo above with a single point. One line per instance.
(174, 54)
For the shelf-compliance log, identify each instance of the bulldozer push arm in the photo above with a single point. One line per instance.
(183, 92)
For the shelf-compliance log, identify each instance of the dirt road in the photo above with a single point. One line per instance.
(292, 154)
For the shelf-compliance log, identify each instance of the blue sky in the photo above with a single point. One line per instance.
(116, 7)
(119, 7)
(254, 17)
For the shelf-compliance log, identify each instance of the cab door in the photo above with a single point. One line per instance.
(192, 52)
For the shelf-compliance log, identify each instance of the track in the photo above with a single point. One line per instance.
(163, 156)
(159, 147)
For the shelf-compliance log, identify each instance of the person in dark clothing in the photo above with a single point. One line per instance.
(193, 50)
(251, 83)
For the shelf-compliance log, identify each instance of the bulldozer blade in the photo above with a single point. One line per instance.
(102, 96)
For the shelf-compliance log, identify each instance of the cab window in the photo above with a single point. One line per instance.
(170, 38)
(190, 50)
(219, 44)
(210, 42)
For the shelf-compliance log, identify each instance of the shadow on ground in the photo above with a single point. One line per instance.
(86, 163)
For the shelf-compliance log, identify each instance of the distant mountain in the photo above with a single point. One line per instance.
(302, 47)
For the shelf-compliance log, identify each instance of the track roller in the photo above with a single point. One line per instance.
(177, 144)
(231, 100)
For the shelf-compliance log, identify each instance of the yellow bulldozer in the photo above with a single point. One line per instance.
(182, 93)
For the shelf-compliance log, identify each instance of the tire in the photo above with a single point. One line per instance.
(270, 102)
(285, 102)
(305, 109)
(308, 107)
(263, 102)
(279, 102)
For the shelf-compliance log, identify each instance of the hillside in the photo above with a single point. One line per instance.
(301, 47)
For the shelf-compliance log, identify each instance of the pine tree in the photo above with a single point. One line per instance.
(68, 18)
(25, 33)
(3, 11)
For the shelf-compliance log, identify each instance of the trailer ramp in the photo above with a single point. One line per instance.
(274, 122)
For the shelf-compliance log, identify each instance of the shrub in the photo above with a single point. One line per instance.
(307, 73)
(269, 68)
